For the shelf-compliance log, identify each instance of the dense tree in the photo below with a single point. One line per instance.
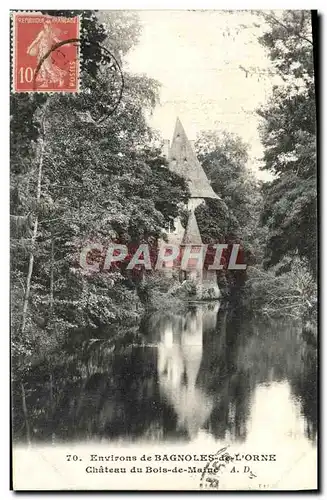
(83, 174)
(289, 137)
(234, 218)
(224, 158)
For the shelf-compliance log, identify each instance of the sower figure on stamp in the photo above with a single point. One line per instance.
(40, 47)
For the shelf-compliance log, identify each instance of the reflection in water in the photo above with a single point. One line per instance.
(274, 404)
(209, 371)
(180, 352)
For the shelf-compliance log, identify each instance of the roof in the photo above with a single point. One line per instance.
(183, 161)
(192, 234)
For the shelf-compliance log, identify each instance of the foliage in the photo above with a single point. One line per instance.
(164, 291)
(235, 218)
(291, 293)
(289, 136)
(98, 182)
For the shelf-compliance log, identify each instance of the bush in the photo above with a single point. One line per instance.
(292, 294)
(164, 290)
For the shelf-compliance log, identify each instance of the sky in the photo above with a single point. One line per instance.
(201, 59)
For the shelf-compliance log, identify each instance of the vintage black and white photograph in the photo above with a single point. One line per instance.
(163, 238)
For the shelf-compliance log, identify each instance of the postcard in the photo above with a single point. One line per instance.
(163, 215)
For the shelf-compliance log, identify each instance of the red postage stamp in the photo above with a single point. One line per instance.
(45, 53)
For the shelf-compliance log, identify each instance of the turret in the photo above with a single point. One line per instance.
(183, 161)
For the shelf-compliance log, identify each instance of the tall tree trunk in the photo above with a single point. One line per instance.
(51, 277)
(27, 425)
(40, 156)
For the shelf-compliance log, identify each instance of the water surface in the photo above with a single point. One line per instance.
(207, 371)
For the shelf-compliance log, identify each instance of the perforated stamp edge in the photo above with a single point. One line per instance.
(79, 61)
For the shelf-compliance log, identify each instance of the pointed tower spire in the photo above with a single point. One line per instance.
(183, 161)
(192, 233)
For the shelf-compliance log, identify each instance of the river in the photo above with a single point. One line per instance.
(209, 371)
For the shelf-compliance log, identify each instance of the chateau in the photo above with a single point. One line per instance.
(182, 160)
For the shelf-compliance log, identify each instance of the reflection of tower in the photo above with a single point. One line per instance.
(224, 377)
(183, 161)
(179, 359)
